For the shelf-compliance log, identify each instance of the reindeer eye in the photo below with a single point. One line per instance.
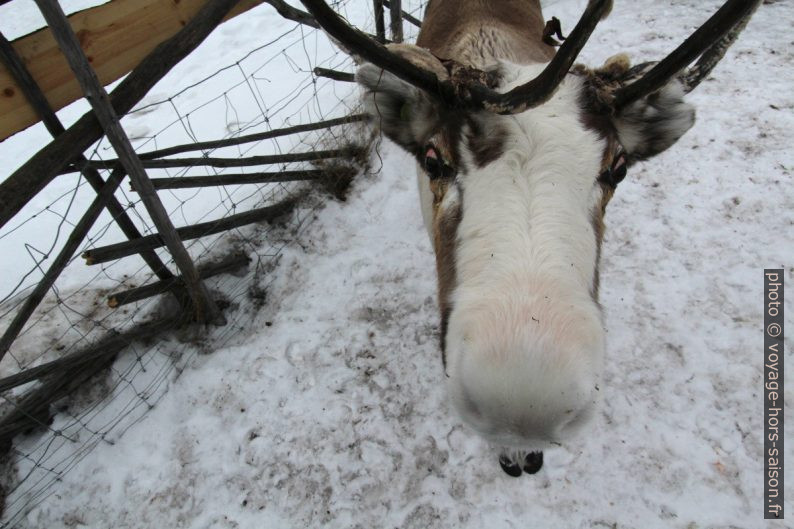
(434, 165)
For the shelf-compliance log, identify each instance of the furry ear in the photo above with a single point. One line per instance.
(404, 113)
(654, 123)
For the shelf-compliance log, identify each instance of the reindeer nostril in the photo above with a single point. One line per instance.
(510, 467)
(532, 462)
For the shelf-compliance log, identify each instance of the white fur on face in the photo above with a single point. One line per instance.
(525, 341)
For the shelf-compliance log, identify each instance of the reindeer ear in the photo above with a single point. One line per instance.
(405, 114)
(653, 123)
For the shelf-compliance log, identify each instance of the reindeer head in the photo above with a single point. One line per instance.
(516, 164)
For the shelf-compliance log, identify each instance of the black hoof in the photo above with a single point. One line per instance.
(510, 467)
(533, 462)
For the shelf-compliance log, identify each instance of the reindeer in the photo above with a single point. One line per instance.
(518, 154)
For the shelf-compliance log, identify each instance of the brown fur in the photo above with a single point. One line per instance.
(446, 233)
(450, 25)
(597, 215)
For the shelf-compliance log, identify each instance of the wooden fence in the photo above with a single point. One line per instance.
(76, 57)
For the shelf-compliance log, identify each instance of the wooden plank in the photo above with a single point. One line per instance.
(24, 183)
(115, 36)
(204, 307)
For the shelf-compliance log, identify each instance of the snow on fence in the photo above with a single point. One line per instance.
(107, 292)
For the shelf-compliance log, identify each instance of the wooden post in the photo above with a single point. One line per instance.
(405, 15)
(380, 26)
(111, 252)
(203, 305)
(19, 188)
(60, 262)
(396, 20)
(37, 100)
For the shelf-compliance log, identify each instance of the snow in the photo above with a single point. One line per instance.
(323, 406)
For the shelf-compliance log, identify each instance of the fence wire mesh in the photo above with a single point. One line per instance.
(270, 86)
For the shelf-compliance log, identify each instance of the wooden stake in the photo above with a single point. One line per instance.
(117, 35)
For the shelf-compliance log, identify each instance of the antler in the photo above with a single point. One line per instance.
(709, 42)
(472, 94)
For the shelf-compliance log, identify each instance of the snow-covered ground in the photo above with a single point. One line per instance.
(324, 406)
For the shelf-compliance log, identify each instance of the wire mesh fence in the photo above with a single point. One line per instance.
(270, 86)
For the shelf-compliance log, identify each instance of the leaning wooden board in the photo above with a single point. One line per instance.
(115, 37)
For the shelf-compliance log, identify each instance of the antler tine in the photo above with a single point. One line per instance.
(715, 52)
(709, 42)
(374, 52)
